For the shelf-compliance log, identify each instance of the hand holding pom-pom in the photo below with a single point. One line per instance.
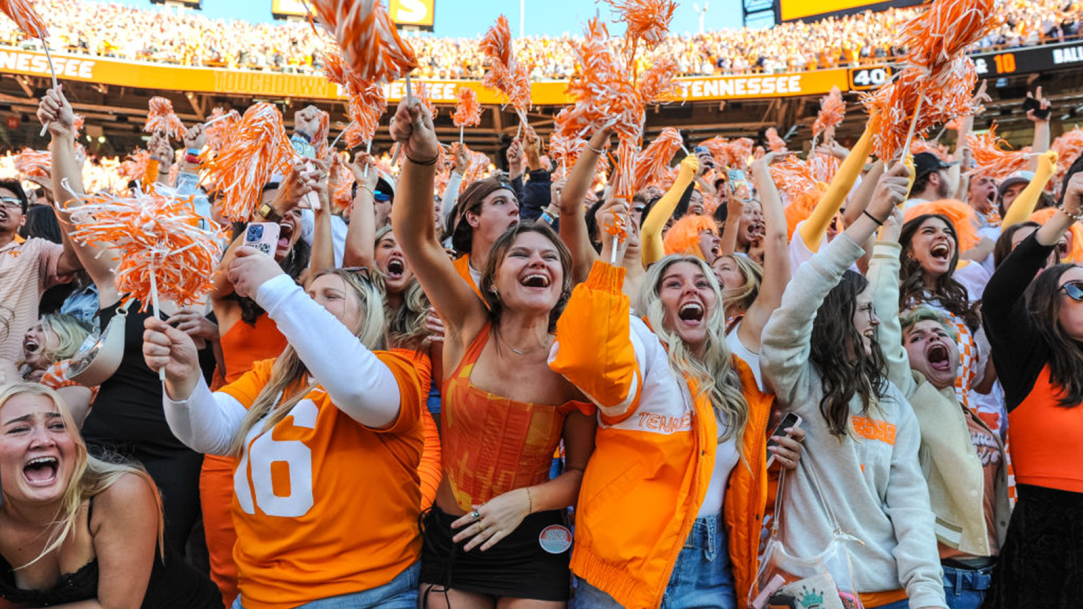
(412, 128)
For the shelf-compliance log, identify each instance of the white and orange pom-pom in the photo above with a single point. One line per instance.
(774, 142)
(319, 140)
(23, 14)
(259, 149)
(659, 82)
(647, 20)
(652, 168)
(162, 119)
(467, 108)
(920, 145)
(220, 129)
(366, 107)
(832, 111)
(503, 72)
(1068, 147)
(421, 92)
(943, 32)
(135, 166)
(33, 163)
(162, 249)
(992, 158)
(342, 197)
(369, 40)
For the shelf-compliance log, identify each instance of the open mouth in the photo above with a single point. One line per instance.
(940, 251)
(755, 229)
(714, 251)
(285, 231)
(535, 280)
(395, 268)
(31, 346)
(937, 354)
(691, 311)
(41, 471)
(1062, 250)
(870, 334)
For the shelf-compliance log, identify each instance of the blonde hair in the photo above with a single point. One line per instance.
(744, 296)
(406, 324)
(90, 477)
(70, 330)
(714, 373)
(289, 372)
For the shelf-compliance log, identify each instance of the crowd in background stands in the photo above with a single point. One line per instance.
(188, 38)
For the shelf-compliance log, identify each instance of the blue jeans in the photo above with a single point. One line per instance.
(903, 604)
(965, 588)
(700, 579)
(399, 593)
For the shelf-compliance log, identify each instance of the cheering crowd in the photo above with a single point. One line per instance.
(187, 38)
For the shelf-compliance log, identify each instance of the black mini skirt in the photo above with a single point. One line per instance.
(531, 562)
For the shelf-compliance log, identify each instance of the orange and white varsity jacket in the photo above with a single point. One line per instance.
(654, 451)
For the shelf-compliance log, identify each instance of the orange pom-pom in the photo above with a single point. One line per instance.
(259, 149)
(832, 111)
(940, 34)
(992, 159)
(370, 43)
(159, 240)
(774, 142)
(162, 119)
(1075, 234)
(366, 107)
(505, 74)
(961, 215)
(920, 145)
(730, 153)
(1068, 147)
(421, 92)
(647, 20)
(135, 166)
(467, 108)
(33, 163)
(653, 164)
(319, 140)
(23, 14)
(220, 129)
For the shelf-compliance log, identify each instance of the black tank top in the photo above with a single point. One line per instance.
(174, 584)
(127, 416)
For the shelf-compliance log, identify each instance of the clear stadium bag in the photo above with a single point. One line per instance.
(824, 581)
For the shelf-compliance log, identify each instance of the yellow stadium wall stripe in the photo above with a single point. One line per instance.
(146, 75)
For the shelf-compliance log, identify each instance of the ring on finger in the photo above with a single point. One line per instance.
(476, 515)
(481, 526)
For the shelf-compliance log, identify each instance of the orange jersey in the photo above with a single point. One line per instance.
(324, 506)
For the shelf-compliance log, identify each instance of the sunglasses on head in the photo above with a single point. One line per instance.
(381, 196)
(1074, 290)
(11, 202)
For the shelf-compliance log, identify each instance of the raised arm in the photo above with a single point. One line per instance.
(788, 335)
(1023, 205)
(815, 227)
(1041, 126)
(776, 257)
(323, 242)
(67, 187)
(883, 278)
(361, 234)
(651, 230)
(462, 311)
(573, 219)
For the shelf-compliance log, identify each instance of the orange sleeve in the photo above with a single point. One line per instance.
(409, 391)
(594, 344)
(430, 469)
(150, 175)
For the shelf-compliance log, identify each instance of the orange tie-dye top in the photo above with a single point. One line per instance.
(493, 445)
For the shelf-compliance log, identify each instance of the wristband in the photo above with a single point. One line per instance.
(1074, 217)
(431, 161)
(547, 218)
(191, 158)
(595, 150)
(872, 217)
(194, 151)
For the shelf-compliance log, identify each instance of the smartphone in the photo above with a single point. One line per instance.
(738, 183)
(703, 150)
(262, 236)
(1032, 104)
(788, 421)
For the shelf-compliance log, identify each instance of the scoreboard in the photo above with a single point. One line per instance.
(1025, 61)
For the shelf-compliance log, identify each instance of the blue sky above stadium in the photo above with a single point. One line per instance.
(468, 18)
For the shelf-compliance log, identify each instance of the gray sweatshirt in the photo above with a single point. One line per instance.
(871, 478)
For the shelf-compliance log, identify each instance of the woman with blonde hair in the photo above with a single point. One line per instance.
(76, 528)
(327, 404)
(47, 348)
(682, 436)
